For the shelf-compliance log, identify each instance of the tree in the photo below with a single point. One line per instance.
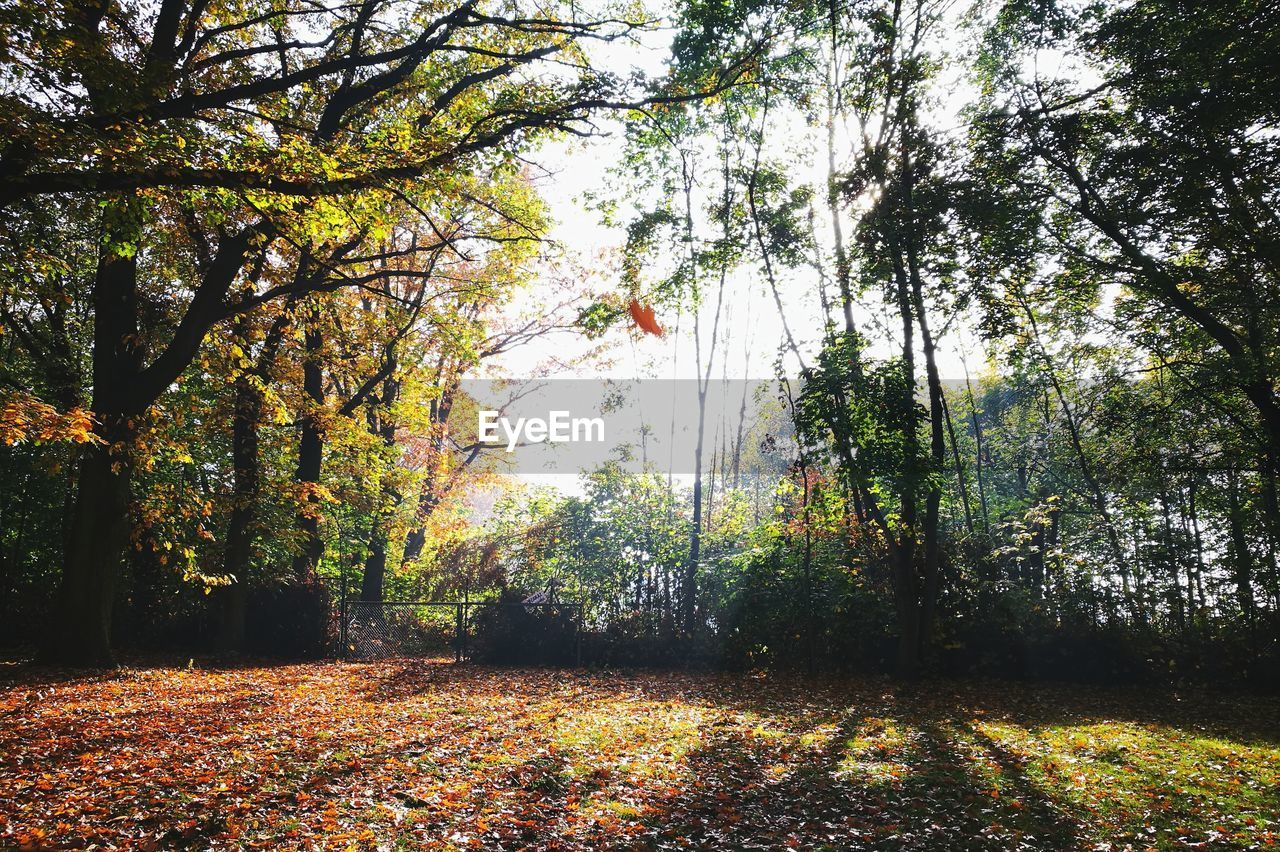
(1160, 177)
(248, 131)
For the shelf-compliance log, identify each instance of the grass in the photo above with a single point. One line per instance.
(424, 754)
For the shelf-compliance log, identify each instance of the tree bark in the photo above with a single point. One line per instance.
(375, 565)
(429, 497)
(1241, 561)
(906, 580)
(98, 531)
(246, 484)
(937, 412)
(689, 586)
(310, 455)
(245, 490)
(81, 627)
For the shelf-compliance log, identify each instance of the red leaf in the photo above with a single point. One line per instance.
(643, 316)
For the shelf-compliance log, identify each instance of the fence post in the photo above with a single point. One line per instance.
(458, 629)
(342, 613)
(466, 616)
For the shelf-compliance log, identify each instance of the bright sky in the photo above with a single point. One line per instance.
(752, 328)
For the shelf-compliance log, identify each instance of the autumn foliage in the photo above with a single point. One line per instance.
(426, 754)
(25, 418)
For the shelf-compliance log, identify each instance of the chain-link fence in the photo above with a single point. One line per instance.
(374, 631)
(544, 633)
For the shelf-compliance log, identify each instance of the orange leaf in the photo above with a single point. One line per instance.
(643, 316)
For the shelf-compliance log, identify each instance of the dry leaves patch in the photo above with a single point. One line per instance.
(415, 754)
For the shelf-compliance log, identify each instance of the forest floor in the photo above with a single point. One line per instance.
(427, 754)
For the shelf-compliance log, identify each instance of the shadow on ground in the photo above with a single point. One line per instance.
(427, 754)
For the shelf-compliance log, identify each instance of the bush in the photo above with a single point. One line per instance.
(509, 633)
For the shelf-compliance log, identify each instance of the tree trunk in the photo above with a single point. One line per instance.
(232, 606)
(1269, 471)
(428, 499)
(937, 439)
(81, 626)
(1241, 562)
(1180, 608)
(245, 489)
(375, 565)
(1198, 539)
(246, 483)
(98, 531)
(689, 590)
(430, 495)
(958, 464)
(1134, 601)
(977, 454)
(906, 581)
(310, 456)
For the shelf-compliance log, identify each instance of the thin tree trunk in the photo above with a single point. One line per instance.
(961, 477)
(937, 416)
(375, 565)
(977, 455)
(1199, 545)
(906, 582)
(690, 585)
(689, 592)
(1241, 561)
(1181, 606)
(429, 496)
(1134, 602)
